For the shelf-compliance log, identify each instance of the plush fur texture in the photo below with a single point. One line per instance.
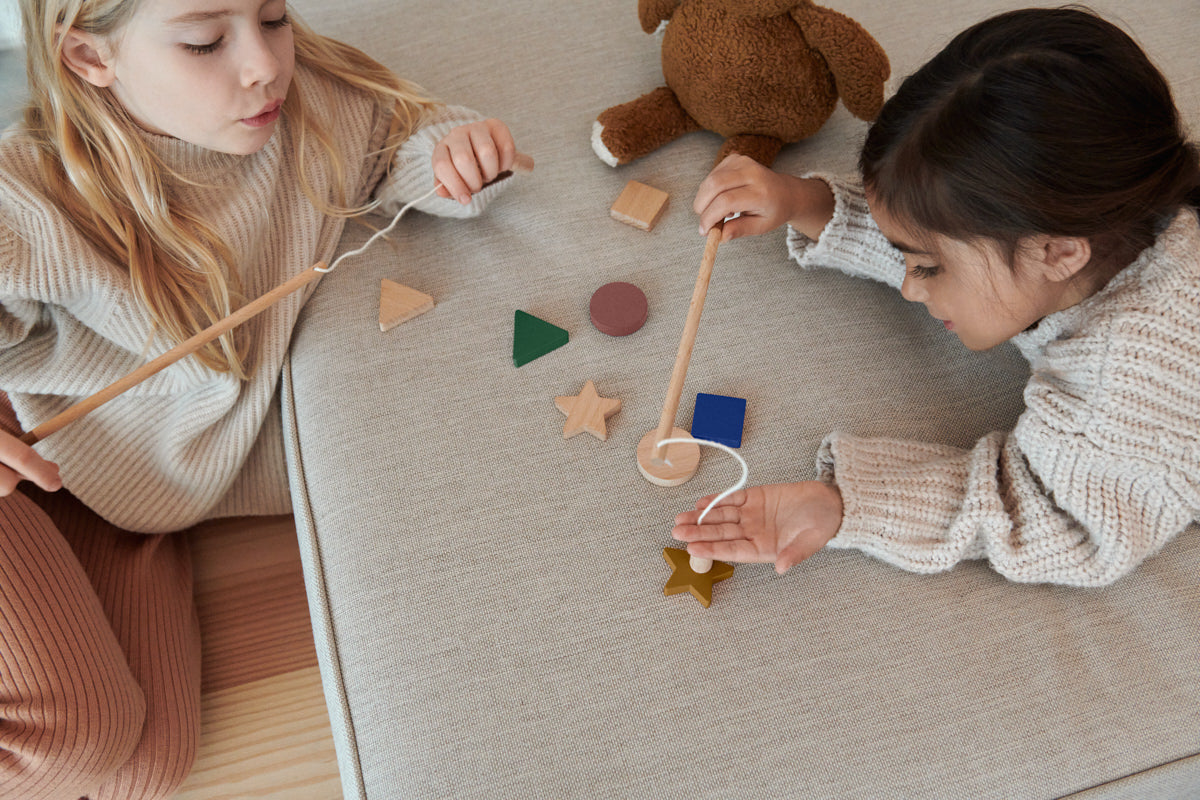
(761, 73)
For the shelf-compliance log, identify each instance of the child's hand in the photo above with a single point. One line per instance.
(19, 462)
(784, 523)
(471, 155)
(765, 199)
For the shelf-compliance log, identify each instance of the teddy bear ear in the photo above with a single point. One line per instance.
(859, 65)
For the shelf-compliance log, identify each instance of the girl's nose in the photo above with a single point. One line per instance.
(912, 290)
(259, 64)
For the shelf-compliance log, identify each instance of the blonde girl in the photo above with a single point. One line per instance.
(176, 159)
(1032, 183)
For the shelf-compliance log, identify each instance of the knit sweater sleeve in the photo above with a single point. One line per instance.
(924, 508)
(1101, 471)
(851, 241)
(411, 175)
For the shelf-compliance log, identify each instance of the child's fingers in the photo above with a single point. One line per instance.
(445, 172)
(466, 166)
(798, 550)
(722, 197)
(484, 157)
(470, 156)
(750, 222)
(690, 517)
(740, 550)
(723, 205)
(737, 498)
(19, 461)
(712, 185)
(506, 146)
(747, 209)
(737, 228)
(721, 523)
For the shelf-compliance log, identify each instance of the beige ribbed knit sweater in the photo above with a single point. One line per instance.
(187, 444)
(1103, 467)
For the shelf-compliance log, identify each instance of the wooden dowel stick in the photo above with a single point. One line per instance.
(667, 420)
(521, 163)
(168, 358)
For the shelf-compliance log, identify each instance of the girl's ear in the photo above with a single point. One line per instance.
(89, 57)
(1063, 256)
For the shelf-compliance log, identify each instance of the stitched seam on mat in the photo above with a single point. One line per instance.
(1114, 781)
(292, 433)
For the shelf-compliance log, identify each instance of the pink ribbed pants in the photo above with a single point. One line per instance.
(99, 653)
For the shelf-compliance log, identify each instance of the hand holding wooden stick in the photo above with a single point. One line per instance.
(675, 464)
(522, 163)
(168, 358)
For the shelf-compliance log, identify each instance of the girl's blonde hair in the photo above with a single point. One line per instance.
(98, 169)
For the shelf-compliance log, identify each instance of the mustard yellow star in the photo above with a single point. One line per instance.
(684, 579)
(587, 411)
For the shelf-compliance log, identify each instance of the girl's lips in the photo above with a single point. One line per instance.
(949, 325)
(265, 117)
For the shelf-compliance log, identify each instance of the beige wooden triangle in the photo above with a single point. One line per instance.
(399, 303)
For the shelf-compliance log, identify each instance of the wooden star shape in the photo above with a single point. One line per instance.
(684, 579)
(587, 411)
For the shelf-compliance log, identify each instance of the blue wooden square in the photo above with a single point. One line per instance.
(719, 419)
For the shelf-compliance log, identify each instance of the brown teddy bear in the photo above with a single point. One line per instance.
(761, 73)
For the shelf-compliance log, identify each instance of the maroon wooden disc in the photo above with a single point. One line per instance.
(619, 309)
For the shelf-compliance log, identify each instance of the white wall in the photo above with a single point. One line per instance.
(10, 24)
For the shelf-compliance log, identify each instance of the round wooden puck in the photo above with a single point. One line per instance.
(619, 309)
(670, 465)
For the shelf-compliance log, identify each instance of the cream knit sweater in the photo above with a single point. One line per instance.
(187, 444)
(1103, 467)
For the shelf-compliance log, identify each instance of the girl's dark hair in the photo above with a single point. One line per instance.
(1038, 121)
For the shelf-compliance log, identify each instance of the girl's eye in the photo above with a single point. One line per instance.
(204, 49)
(919, 271)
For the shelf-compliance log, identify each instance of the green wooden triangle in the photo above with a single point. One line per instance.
(533, 338)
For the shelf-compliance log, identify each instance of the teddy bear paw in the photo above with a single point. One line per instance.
(600, 147)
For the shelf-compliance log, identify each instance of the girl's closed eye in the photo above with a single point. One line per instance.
(203, 49)
(212, 47)
(919, 271)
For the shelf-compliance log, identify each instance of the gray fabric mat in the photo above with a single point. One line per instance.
(487, 597)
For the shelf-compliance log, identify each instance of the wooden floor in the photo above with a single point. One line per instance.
(265, 731)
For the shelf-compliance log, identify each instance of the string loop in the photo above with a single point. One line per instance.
(741, 484)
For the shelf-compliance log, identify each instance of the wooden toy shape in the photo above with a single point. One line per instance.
(639, 205)
(619, 308)
(587, 411)
(719, 419)
(671, 465)
(399, 303)
(657, 466)
(534, 337)
(685, 579)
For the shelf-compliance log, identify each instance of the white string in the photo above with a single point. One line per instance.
(741, 484)
(381, 233)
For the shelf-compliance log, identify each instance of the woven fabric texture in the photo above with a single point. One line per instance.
(487, 597)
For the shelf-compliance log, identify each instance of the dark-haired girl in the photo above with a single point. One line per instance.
(1032, 183)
